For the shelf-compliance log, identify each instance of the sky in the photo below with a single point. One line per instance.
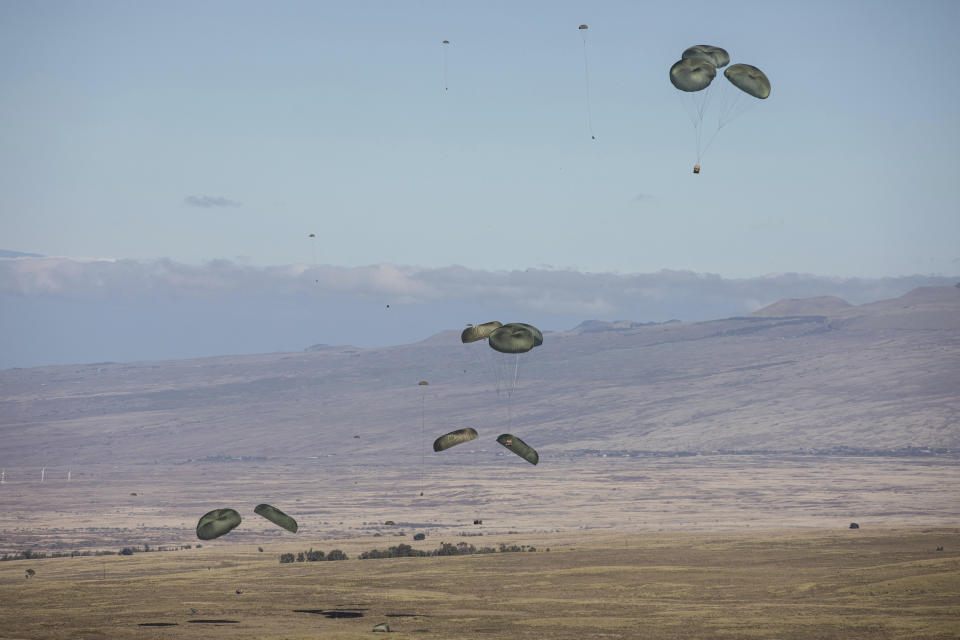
(231, 130)
(207, 134)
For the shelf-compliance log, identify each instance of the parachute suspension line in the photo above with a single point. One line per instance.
(695, 105)
(730, 110)
(443, 49)
(702, 107)
(516, 370)
(423, 455)
(586, 77)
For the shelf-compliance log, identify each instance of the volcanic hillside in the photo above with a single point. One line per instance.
(797, 376)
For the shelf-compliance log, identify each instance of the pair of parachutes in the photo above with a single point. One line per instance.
(514, 337)
(693, 76)
(218, 522)
(511, 442)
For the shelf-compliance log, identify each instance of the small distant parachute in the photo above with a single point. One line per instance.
(443, 49)
(276, 516)
(519, 447)
(454, 438)
(586, 79)
(423, 383)
(216, 523)
(312, 235)
(357, 437)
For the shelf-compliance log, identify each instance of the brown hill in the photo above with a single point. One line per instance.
(820, 306)
(871, 378)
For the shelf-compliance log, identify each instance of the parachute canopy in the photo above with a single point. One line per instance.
(216, 523)
(479, 332)
(519, 447)
(276, 516)
(749, 79)
(583, 26)
(423, 383)
(454, 438)
(692, 74)
(714, 55)
(537, 336)
(515, 337)
(446, 42)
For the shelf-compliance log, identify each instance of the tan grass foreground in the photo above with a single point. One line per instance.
(889, 583)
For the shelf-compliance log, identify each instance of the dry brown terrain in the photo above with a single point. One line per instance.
(695, 480)
(873, 378)
(883, 583)
(331, 498)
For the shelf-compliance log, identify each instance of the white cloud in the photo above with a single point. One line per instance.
(208, 202)
(641, 296)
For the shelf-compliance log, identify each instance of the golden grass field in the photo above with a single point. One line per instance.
(690, 547)
(883, 583)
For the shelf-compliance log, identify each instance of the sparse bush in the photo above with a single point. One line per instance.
(420, 536)
(260, 549)
(300, 557)
(336, 554)
(126, 551)
(286, 557)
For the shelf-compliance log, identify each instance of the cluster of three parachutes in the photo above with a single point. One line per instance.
(693, 76)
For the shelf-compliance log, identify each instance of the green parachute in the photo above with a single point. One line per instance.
(714, 55)
(749, 79)
(454, 438)
(692, 74)
(479, 332)
(515, 337)
(519, 447)
(537, 335)
(216, 523)
(276, 516)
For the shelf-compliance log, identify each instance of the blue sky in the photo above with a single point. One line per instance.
(291, 118)
(176, 156)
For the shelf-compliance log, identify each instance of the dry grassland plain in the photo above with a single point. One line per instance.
(886, 583)
(689, 547)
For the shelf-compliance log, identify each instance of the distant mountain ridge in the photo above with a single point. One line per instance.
(867, 380)
(819, 306)
(4, 253)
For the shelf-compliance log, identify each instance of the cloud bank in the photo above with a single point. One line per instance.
(639, 296)
(65, 310)
(208, 202)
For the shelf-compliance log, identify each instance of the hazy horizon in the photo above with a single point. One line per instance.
(67, 311)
